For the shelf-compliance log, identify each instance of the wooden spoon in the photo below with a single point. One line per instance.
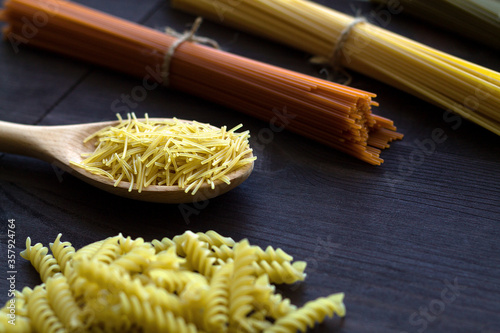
(61, 144)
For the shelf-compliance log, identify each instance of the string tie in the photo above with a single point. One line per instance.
(335, 60)
(187, 36)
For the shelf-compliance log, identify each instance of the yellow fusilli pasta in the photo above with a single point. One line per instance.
(14, 315)
(135, 260)
(89, 250)
(194, 282)
(284, 272)
(62, 252)
(62, 302)
(311, 313)
(162, 245)
(270, 254)
(43, 318)
(216, 314)
(223, 253)
(109, 250)
(167, 259)
(197, 254)
(44, 263)
(241, 285)
(174, 281)
(214, 239)
(20, 325)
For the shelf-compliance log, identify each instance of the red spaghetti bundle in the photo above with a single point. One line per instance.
(333, 114)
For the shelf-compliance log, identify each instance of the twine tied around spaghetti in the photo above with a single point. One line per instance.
(335, 60)
(187, 36)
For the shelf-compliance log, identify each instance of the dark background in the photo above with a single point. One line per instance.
(389, 236)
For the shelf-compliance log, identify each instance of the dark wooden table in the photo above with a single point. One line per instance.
(414, 245)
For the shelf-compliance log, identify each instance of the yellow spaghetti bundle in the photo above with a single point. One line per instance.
(449, 82)
(201, 282)
(333, 114)
(167, 153)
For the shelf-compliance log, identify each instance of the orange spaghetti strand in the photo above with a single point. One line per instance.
(330, 113)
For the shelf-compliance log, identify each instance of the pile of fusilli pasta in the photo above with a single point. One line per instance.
(200, 282)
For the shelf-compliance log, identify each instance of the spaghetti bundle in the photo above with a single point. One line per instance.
(475, 19)
(168, 152)
(330, 113)
(449, 82)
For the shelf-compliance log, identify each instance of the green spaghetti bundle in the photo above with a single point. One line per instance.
(478, 20)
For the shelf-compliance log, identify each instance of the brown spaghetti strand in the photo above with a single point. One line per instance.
(330, 113)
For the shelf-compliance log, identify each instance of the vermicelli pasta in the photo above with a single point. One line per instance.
(140, 288)
(170, 153)
(449, 82)
(332, 114)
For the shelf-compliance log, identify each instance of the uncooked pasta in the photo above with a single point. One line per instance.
(168, 152)
(475, 19)
(456, 85)
(335, 115)
(121, 284)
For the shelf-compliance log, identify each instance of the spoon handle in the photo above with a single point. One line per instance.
(22, 139)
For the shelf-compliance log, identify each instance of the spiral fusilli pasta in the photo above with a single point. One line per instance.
(166, 260)
(197, 254)
(109, 250)
(14, 315)
(241, 285)
(311, 313)
(216, 314)
(162, 245)
(43, 318)
(135, 260)
(44, 263)
(214, 239)
(62, 302)
(174, 282)
(63, 252)
(194, 282)
(283, 272)
(127, 243)
(89, 250)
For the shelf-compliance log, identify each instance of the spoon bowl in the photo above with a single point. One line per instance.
(59, 145)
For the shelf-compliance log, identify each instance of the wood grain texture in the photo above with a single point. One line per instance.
(393, 238)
